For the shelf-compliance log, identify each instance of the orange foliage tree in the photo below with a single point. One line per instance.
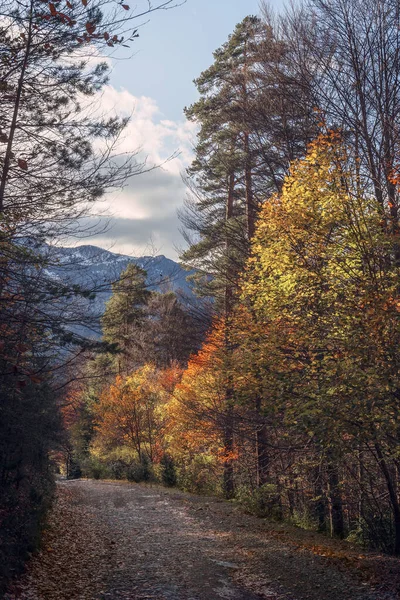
(131, 417)
(197, 415)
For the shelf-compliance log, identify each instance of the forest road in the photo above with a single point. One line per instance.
(114, 540)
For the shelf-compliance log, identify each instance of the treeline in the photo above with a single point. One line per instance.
(113, 410)
(292, 403)
(57, 157)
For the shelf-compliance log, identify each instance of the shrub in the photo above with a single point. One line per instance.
(262, 501)
(168, 471)
(200, 475)
(140, 471)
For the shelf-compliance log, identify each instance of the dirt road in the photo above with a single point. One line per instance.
(134, 542)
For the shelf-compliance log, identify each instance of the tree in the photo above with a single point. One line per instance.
(221, 171)
(29, 430)
(249, 131)
(58, 155)
(125, 311)
(328, 309)
(130, 416)
(169, 333)
(222, 166)
(197, 418)
(348, 50)
(255, 117)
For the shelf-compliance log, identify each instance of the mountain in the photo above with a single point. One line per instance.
(95, 269)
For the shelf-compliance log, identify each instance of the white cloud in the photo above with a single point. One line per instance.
(144, 212)
(157, 137)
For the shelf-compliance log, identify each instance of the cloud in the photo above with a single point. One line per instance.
(139, 237)
(143, 213)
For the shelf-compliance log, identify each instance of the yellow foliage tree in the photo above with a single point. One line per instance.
(322, 290)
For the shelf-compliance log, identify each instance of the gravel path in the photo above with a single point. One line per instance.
(114, 541)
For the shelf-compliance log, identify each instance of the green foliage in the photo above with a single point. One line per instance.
(375, 530)
(199, 475)
(98, 469)
(124, 311)
(305, 518)
(263, 501)
(168, 471)
(217, 172)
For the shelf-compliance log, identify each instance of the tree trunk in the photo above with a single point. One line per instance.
(229, 486)
(335, 501)
(250, 207)
(320, 504)
(229, 482)
(13, 127)
(261, 450)
(394, 501)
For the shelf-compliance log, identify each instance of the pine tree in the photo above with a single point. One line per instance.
(124, 312)
(223, 208)
(250, 129)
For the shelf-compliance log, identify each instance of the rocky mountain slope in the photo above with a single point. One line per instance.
(95, 269)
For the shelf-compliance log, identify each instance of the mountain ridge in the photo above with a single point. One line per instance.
(95, 269)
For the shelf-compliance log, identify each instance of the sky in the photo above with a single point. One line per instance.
(152, 83)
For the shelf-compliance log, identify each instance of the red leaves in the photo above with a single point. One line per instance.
(112, 41)
(54, 13)
(21, 348)
(22, 164)
(66, 18)
(90, 28)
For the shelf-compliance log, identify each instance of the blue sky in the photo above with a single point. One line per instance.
(152, 84)
(175, 46)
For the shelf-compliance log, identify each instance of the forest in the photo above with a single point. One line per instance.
(279, 388)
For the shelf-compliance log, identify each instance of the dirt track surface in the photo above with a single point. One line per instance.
(109, 540)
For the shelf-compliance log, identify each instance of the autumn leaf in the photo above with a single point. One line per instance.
(90, 28)
(125, 6)
(22, 164)
(66, 18)
(52, 9)
(21, 348)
